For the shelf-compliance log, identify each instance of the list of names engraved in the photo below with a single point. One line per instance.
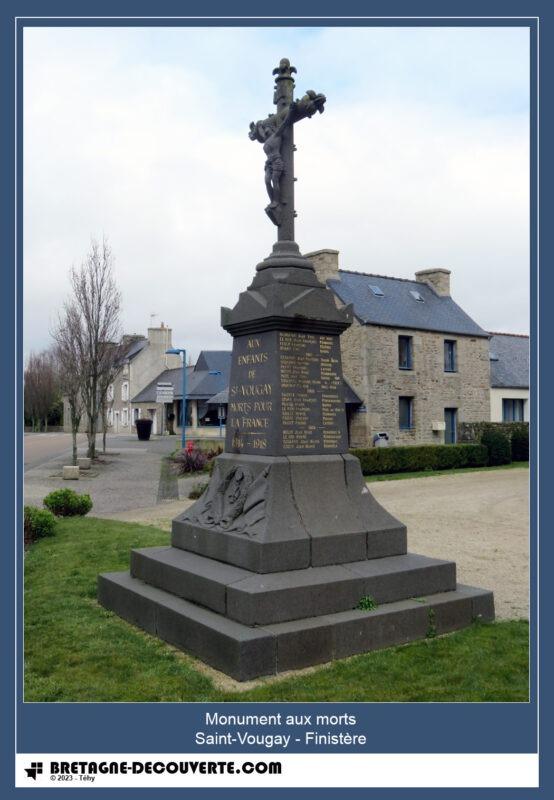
(312, 409)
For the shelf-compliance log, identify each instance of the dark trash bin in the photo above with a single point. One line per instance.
(144, 428)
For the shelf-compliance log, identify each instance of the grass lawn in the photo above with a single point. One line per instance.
(77, 651)
(429, 473)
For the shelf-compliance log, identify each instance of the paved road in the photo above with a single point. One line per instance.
(39, 448)
(128, 476)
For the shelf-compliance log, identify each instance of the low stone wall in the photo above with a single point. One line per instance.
(469, 432)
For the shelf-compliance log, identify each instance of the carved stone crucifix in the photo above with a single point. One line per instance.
(276, 133)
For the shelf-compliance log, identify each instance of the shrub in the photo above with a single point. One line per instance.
(197, 491)
(191, 459)
(417, 458)
(67, 503)
(498, 446)
(194, 459)
(213, 452)
(38, 523)
(520, 444)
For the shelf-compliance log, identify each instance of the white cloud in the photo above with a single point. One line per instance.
(129, 134)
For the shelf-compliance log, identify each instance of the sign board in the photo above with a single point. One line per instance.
(164, 392)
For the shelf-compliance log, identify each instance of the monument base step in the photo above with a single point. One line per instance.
(260, 599)
(245, 652)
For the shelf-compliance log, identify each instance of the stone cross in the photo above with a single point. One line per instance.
(276, 133)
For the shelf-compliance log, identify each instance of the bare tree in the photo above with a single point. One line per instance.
(41, 388)
(110, 367)
(97, 301)
(68, 335)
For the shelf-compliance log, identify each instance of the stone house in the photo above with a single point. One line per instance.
(144, 357)
(143, 361)
(208, 377)
(418, 362)
(509, 364)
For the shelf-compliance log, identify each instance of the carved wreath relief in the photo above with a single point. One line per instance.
(233, 502)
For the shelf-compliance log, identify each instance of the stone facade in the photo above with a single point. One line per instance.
(371, 366)
(136, 372)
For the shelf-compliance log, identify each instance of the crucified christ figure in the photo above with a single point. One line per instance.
(275, 133)
(272, 139)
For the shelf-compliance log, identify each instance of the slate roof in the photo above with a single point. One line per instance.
(200, 384)
(135, 348)
(509, 355)
(398, 308)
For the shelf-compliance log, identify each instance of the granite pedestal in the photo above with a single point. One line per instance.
(267, 570)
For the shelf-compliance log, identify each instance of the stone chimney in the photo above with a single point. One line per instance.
(160, 337)
(326, 263)
(438, 279)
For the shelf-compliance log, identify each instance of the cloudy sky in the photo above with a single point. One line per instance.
(420, 160)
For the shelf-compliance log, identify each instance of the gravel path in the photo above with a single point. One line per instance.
(478, 519)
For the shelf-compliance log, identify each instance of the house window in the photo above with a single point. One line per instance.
(405, 413)
(405, 350)
(125, 390)
(450, 360)
(110, 417)
(110, 392)
(125, 417)
(512, 410)
(136, 415)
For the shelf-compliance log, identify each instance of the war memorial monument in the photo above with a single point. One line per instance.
(287, 560)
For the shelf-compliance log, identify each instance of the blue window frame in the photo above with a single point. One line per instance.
(405, 413)
(512, 409)
(405, 352)
(450, 360)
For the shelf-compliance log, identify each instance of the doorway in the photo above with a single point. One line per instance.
(451, 422)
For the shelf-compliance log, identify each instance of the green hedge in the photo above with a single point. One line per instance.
(38, 523)
(520, 445)
(416, 458)
(498, 446)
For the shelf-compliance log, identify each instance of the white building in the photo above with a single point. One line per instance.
(509, 358)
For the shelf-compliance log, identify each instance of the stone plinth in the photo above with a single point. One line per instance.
(70, 473)
(266, 570)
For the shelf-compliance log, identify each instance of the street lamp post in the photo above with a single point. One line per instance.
(176, 351)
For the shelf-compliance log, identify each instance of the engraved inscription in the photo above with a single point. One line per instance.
(286, 395)
(250, 396)
(312, 409)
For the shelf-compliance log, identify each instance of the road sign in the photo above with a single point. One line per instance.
(164, 392)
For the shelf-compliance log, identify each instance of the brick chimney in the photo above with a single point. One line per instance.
(438, 279)
(326, 263)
